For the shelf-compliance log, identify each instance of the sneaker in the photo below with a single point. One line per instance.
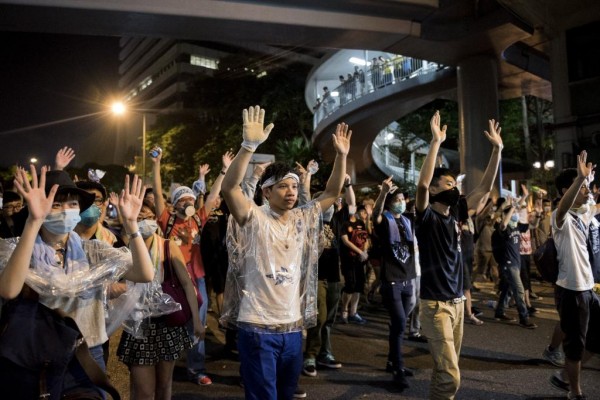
(473, 320)
(558, 382)
(357, 319)
(408, 372)
(389, 367)
(527, 324)
(504, 318)
(476, 312)
(299, 393)
(572, 396)
(202, 380)
(329, 362)
(309, 368)
(532, 310)
(535, 296)
(417, 337)
(555, 357)
(400, 380)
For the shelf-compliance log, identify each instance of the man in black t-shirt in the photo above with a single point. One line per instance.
(438, 234)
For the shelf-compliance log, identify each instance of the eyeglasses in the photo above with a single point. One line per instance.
(99, 201)
(13, 207)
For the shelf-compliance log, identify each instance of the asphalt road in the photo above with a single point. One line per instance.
(499, 361)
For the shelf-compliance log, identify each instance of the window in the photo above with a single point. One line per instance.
(205, 62)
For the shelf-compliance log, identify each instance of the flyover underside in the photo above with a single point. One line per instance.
(373, 112)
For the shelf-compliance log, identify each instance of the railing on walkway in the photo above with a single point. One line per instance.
(376, 77)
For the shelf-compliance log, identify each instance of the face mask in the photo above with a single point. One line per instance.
(328, 214)
(514, 218)
(547, 209)
(583, 209)
(398, 208)
(148, 227)
(188, 210)
(90, 216)
(62, 222)
(447, 197)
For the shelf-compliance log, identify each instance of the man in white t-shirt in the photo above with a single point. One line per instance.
(271, 286)
(578, 305)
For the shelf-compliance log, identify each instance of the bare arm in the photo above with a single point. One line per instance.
(159, 201)
(254, 134)
(215, 189)
(387, 186)
(487, 181)
(341, 144)
(12, 278)
(584, 169)
(426, 174)
(188, 287)
(63, 157)
(304, 187)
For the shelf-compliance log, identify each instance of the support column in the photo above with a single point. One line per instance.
(477, 103)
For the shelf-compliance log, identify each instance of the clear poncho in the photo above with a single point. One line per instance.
(271, 284)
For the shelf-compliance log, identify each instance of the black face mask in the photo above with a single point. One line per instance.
(447, 197)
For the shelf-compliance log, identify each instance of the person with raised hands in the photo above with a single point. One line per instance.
(271, 287)
(52, 263)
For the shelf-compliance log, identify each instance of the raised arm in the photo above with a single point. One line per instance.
(387, 186)
(584, 169)
(159, 201)
(12, 278)
(426, 174)
(249, 184)
(478, 195)
(304, 187)
(199, 186)
(254, 133)
(130, 204)
(215, 189)
(63, 157)
(341, 144)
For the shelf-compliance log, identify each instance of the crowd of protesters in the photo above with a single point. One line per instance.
(275, 259)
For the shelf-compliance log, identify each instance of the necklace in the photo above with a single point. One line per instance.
(60, 249)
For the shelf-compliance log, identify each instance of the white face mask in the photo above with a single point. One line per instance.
(148, 227)
(583, 209)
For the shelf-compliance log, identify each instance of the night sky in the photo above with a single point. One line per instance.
(48, 78)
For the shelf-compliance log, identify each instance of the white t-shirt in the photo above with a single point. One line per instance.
(574, 270)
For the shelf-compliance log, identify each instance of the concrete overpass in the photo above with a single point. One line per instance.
(501, 48)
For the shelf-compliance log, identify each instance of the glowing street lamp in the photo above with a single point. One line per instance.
(119, 108)
(33, 160)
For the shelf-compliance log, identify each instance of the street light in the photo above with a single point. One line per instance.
(119, 108)
(33, 160)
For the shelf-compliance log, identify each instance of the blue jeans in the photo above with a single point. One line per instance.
(398, 298)
(512, 276)
(270, 364)
(196, 356)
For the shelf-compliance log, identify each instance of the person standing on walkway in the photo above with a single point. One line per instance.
(437, 231)
(271, 286)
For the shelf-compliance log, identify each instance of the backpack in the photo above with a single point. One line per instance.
(171, 222)
(546, 260)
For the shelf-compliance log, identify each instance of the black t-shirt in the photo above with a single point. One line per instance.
(351, 229)
(329, 261)
(398, 261)
(440, 256)
(506, 245)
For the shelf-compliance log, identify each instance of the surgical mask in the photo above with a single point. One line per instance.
(90, 216)
(398, 208)
(328, 214)
(148, 227)
(62, 222)
(583, 209)
(547, 209)
(514, 218)
(188, 209)
(447, 197)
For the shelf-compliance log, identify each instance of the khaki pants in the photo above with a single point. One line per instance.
(442, 323)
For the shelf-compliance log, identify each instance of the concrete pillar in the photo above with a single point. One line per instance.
(477, 103)
(566, 130)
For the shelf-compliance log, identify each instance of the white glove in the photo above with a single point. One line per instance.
(364, 256)
(253, 132)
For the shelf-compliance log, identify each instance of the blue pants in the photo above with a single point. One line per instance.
(398, 299)
(270, 364)
(196, 356)
(75, 377)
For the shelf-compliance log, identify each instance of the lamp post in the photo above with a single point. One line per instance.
(119, 108)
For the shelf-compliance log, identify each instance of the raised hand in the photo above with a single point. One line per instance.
(301, 171)
(131, 198)
(584, 168)
(227, 158)
(439, 133)
(387, 185)
(341, 139)
(259, 169)
(203, 170)
(494, 134)
(312, 167)
(39, 204)
(254, 132)
(63, 157)
(159, 153)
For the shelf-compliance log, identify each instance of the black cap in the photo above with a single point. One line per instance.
(66, 186)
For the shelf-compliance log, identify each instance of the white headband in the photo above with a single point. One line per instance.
(272, 180)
